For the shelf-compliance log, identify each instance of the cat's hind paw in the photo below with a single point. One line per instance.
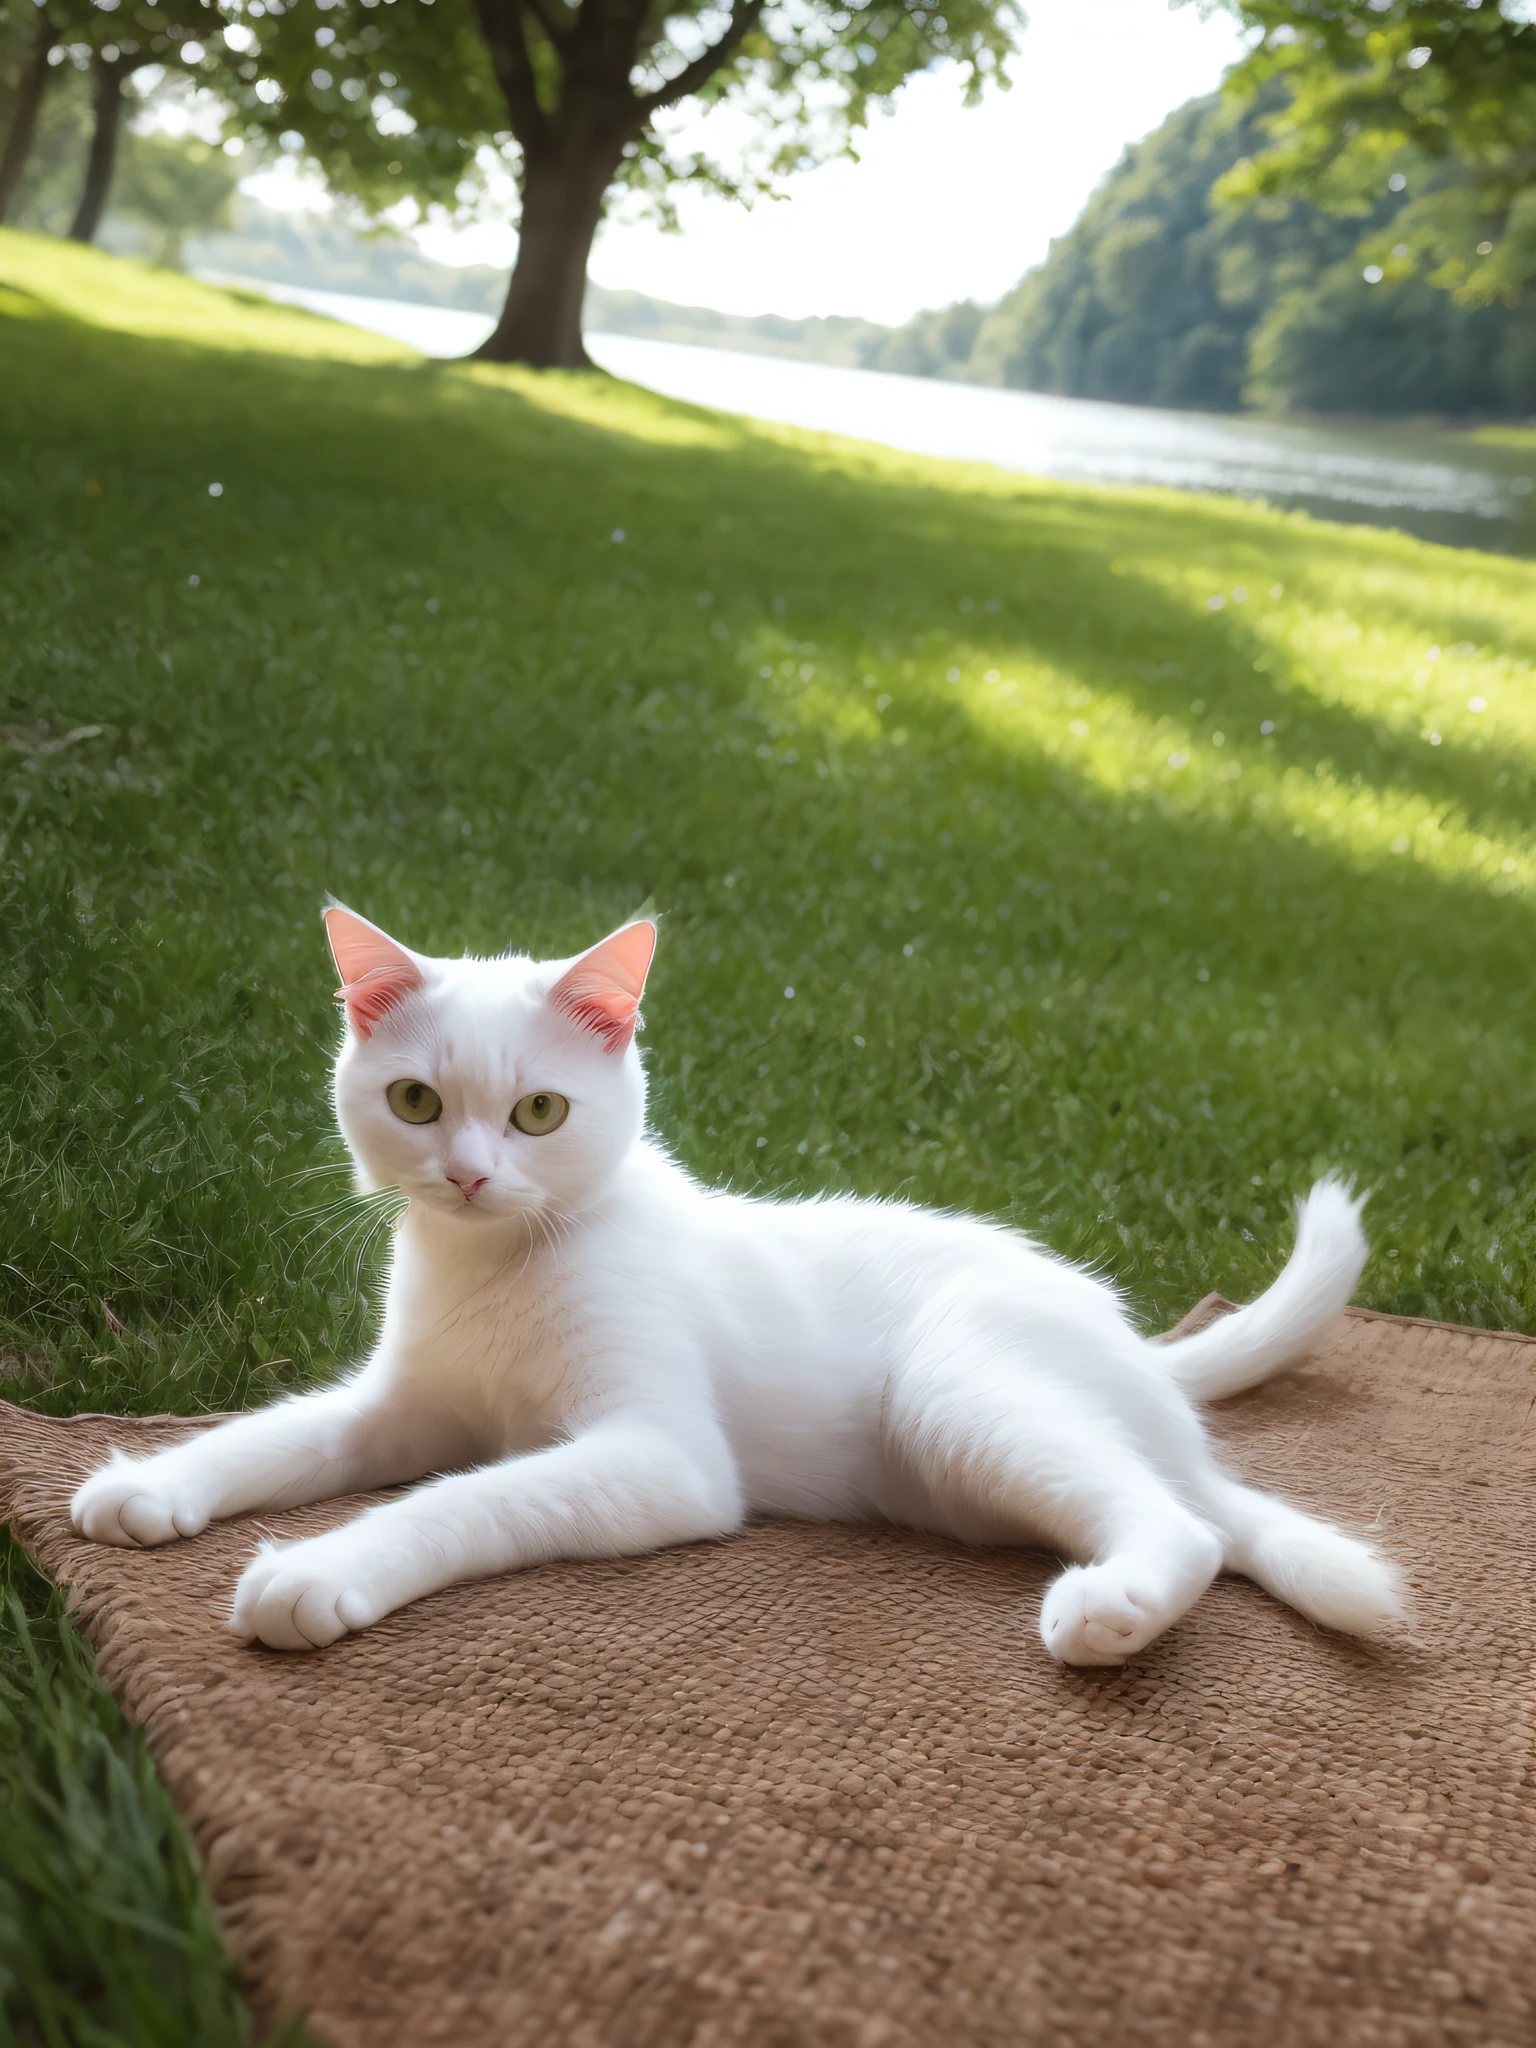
(304, 1596)
(1090, 1616)
(131, 1503)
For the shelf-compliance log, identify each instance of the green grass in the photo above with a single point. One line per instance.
(970, 762)
(109, 1935)
(1522, 437)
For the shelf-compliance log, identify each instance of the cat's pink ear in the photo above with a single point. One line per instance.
(602, 991)
(376, 974)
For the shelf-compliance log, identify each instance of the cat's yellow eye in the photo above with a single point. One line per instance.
(414, 1102)
(538, 1115)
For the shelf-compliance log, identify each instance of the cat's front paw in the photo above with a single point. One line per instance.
(302, 1596)
(137, 1502)
(1091, 1616)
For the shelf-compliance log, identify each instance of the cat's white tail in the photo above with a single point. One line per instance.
(1282, 1325)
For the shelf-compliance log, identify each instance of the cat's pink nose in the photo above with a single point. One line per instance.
(467, 1187)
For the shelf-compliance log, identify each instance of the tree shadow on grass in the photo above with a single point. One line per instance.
(1233, 667)
(1050, 596)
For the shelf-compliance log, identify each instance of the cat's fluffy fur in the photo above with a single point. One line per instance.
(595, 1355)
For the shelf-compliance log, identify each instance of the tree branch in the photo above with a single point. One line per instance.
(501, 24)
(744, 18)
(556, 34)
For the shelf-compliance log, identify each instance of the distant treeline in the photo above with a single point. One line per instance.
(323, 252)
(1160, 296)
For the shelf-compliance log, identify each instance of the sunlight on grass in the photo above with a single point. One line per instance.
(594, 399)
(59, 279)
(1195, 763)
(1507, 436)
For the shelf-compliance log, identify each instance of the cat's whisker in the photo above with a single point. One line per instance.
(359, 1216)
(362, 1251)
(321, 1231)
(333, 1169)
(301, 1223)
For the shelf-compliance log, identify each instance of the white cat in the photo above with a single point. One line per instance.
(594, 1355)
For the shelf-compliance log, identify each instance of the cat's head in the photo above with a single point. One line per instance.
(489, 1090)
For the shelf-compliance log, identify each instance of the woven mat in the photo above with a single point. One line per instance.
(821, 1788)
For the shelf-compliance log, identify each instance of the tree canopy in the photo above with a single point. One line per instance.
(1433, 97)
(43, 43)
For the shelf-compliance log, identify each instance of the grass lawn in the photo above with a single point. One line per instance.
(1109, 861)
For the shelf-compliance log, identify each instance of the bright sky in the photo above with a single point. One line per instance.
(944, 204)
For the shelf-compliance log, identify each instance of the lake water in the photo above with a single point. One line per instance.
(1440, 485)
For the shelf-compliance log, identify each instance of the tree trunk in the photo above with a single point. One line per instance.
(29, 100)
(562, 205)
(107, 110)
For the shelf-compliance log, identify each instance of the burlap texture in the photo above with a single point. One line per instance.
(821, 1788)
